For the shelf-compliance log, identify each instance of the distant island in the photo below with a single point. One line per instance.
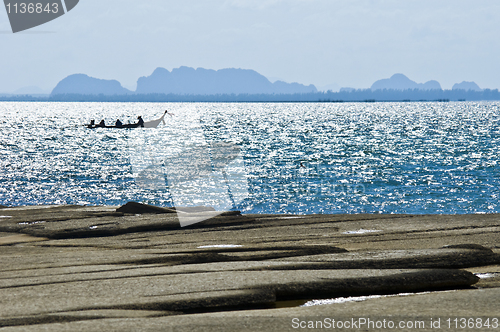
(187, 84)
(190, 81)
(85, 85)
(466, 86)
(401, 82)
(183, 81)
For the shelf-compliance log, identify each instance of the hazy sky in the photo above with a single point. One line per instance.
(347, 42)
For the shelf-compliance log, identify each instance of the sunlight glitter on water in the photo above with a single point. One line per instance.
(299, 158)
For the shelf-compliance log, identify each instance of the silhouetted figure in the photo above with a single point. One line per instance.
(118, 123)
(92, 124)
(302, 165)
(101, 124)
(140, 121)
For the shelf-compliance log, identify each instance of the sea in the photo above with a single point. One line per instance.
(285, 158)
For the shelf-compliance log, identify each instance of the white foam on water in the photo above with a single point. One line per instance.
(5, 216)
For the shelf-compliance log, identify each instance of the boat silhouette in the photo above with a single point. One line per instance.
(147, 124)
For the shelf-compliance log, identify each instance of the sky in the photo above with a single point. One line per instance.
(348, 43)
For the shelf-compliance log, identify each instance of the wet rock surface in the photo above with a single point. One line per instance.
(135, 269)
(138, 208)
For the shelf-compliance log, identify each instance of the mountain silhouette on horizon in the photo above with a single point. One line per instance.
(86, 85)
(184, 81)
(466, 86)
(205, 82)
(401, 82)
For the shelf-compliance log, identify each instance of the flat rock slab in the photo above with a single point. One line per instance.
(79, 222)
(80, 315)
(389, 259)
(73, 222)
(94, 265)
(44, 255)
(62, 222)
(7, 239)
(97, 265)
(203, 291)
(414, 310)
(269, 257)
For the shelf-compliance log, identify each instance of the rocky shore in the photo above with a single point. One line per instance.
(77, 268)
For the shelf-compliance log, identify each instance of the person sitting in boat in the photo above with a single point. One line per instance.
(101, 124)
(118, 123)
(140, 121)
(92, 124)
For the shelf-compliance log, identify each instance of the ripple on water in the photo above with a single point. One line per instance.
(300, 158)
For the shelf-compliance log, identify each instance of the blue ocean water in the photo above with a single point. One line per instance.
(419, 158)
